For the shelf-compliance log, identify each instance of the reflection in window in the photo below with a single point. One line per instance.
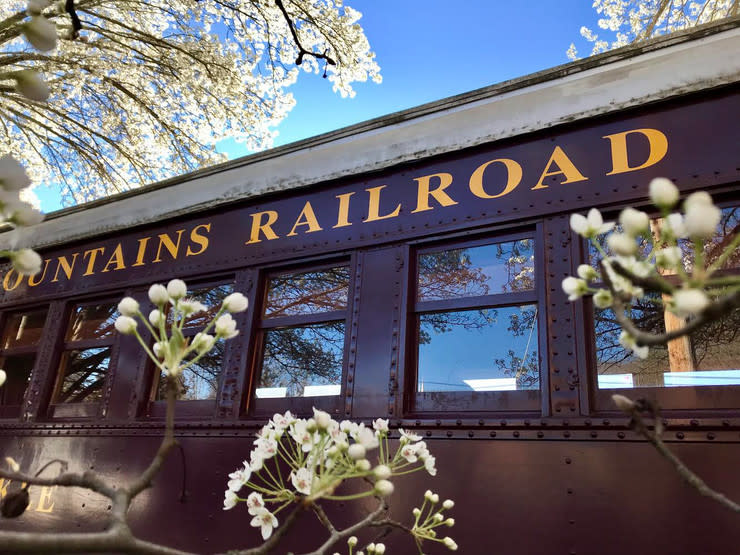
(91, 321)
(303, 334)
(476, 271)
(197, 382)
(302, 361)
(492, 349)
(709, 356)
(307, 292)
(23, 329)
(210, 296)
(82, 375)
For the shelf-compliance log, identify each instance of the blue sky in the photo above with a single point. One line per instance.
(428, 50)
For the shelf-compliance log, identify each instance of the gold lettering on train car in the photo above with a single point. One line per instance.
(424, 191)
(198, 239)
(116, 258)
(564, 166)
(265, 227)
(45, 504)
(343, 212)
(172, 247)
(373, 208)
(93, 255)
(141, 252)
(4, 483)
(306, 217)
(6, 280)
(513, 177)
(32, 281)
(65, 265)
(657, 149)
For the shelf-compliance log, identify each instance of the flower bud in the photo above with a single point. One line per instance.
(202, 342)
(669, 257)
(156, 317)
(686, 302)
(25, 215)
(31, 85)
(379, 548)
(352, 541)
(676, 225)
(634, 221)
(701, 219)
(177, 289)
(438, 517)
(3, 377)
(236, 302)
(383, 488)
(448, 504)
(623, 403)
(363, 465)
(128, 306)
(428, 495)
(356, 451)
(13, 176)
(41, 33)
(663, 193)
(323, 419)
(575, 288)
(587, 272)
(603, 298)
(226, 327)
(382, 472)
(434, 498)
(158, 294)
(450, 543)
(125, 325)
(450, 522)
(370, 548)
(26, 262)
(416, 511)
(622, 243)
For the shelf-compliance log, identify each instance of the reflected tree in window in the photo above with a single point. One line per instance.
(307, 292)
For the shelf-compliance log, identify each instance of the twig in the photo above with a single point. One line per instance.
(638, 421)
(301, 51)
(275, 538)
(338, 535)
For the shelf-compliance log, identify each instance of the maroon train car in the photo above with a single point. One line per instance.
(407, 268)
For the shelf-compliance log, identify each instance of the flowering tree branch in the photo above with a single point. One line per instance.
(301, 50)
(641, 409)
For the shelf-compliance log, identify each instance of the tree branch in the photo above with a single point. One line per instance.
(301, 51)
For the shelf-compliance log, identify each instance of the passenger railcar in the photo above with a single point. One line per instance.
(408, 268)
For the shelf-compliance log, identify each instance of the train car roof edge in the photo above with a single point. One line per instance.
(689, 61)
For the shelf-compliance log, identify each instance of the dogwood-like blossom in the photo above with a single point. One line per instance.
(226, 327)
(239, 478)
(230, 499)
(301, 480)
(590, 225)
(265, 521)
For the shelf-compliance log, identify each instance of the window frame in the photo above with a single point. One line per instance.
(693, 399)
(518, 403)
(7, 411)
(301, 406)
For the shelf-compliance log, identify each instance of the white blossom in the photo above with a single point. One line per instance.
(382, 471)
(230, 499)
(663, 193)
(623, 403)
(383, 488)
(266, 521)
(189, 307)
(3, 377)
(622, 244)
(587, 272)
(448, 504)
(701, 218)
(590, 225)
(203, 342)
(176, 289)
(628, 342)
(239, 478)
(356, 451)
(41, 33)
(128, 306)
(302, 480)
(236, 302)
(633, 221)
(13, 176)
(450, 543)
(156, 317)
(603, 298)
(669, 257)
(31, 85)
(125, 325)
(687, 302)
(226, 327)
(26, 261)
(25, 215)
(255, 503)
(158, 294)
(575, 288)
(676, 226)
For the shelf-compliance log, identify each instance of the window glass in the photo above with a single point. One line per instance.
(710, 356)
(310, 292)
(18, 373)
(198, 382)
(82, 375)
(211, 296)
(491, 349)
(476, 271)
(23, 329)
(303, 361)
(92, 321)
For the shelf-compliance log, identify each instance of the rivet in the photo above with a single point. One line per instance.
(594, 434)
(429, 433)
(516, 434)
(725, 422)
(568, 460)
(620, 435)
(566, 433)
(694, 422)
(711, 435)
(449, 433)
(587, 422)
(526, 422)
(570, 491)
(481, 422)
(606, 422)
(540, 434)
(439, 422)
(503, 422)
(459, 422)
(679, 435)
(471, 433)
(492, 434)
(418, 422)
(566, 423)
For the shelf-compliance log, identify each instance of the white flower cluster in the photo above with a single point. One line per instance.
(646, 251)
(430, 516)
(319, 454)
(172, 351)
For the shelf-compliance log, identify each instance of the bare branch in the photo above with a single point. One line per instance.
(301, 51)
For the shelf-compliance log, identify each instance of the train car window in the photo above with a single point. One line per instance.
(476, 327)
(699, 371)
(302, 336)
(21, 335)
(200, 381)
(85, 360)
